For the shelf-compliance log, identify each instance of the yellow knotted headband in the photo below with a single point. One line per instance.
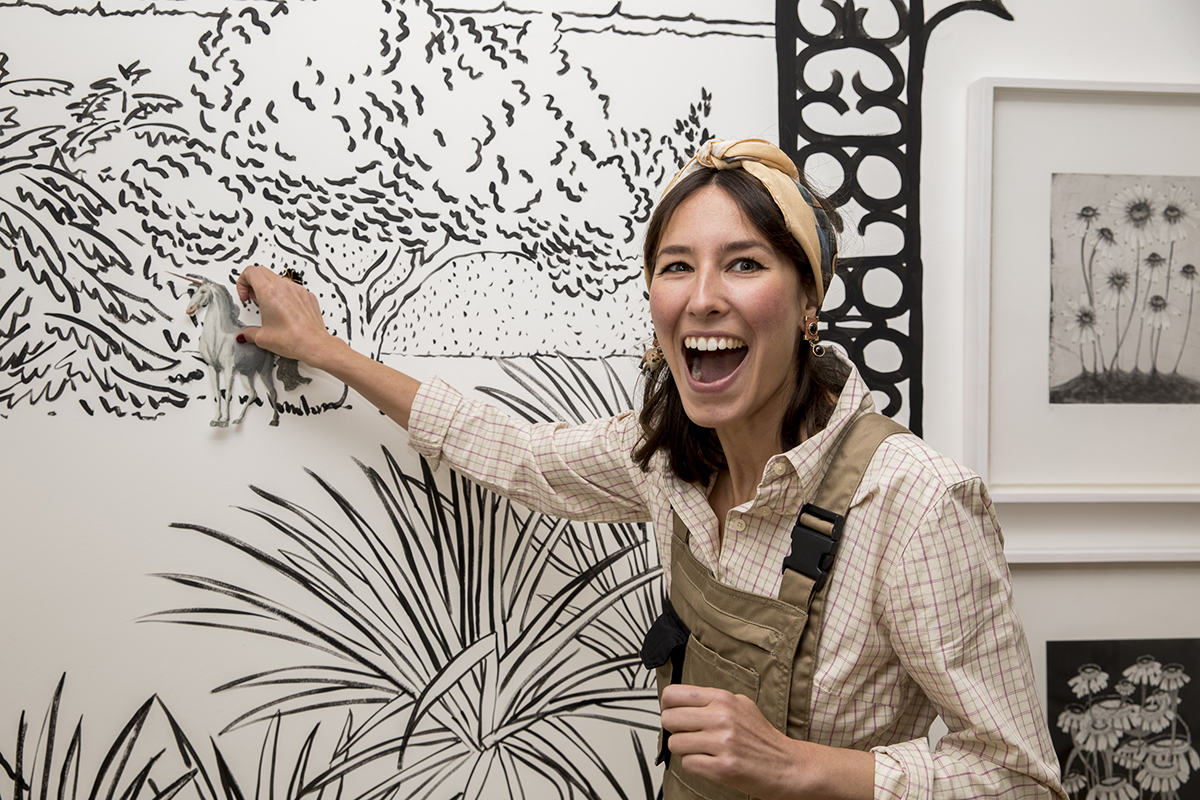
(805, 220)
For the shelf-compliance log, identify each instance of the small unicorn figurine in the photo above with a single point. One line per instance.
(225, 356)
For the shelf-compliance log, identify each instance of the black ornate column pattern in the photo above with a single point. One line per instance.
(857, 322)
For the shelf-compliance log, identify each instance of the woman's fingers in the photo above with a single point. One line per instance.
(291, 316)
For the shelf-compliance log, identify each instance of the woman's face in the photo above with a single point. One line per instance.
(727, 312)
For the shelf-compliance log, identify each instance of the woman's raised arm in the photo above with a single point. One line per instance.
(292, 327)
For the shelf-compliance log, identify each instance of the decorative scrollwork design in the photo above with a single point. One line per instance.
(856, 323)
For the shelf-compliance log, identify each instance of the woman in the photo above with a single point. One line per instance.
(752, 446)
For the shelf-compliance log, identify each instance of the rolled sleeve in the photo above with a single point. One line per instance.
(581, 472)
(433, 412)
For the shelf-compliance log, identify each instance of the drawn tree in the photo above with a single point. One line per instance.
(372, 168)
(71, 301)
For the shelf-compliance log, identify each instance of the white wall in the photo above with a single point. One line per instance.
(1099, 40)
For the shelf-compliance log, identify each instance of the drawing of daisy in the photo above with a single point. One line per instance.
(1074, 782)
(1155, 265)
(1072, 718)
(1168, 765)
(1179, 213)
(1081, 322)
(1158, 312)
(1174, 678)
(1091, 679)
(1106, 721)
(1131, 753)
(1157, 712)
(1117, 285)
(1136, 212)
(1146, 671)
(1113, 789)
(1103, 239)
(1082, 221)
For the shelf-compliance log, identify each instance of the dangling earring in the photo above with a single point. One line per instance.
(652, 357)
(812, 336)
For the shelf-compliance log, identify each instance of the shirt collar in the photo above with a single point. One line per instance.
(807, 462)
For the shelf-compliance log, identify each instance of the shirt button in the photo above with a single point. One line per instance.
(738, 524)
(779, 467)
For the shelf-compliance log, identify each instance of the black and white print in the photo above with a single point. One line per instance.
(1123, 283)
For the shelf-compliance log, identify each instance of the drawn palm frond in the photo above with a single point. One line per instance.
(569, 389)
(463, 625)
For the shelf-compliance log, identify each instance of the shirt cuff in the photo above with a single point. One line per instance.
(901, 770)
(429, 421)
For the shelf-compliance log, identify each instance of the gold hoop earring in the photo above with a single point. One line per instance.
(812, 336)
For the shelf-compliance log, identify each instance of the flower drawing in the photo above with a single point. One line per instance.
(1081, 321)
(1117, 285)
(1117, 303)
(1156, 264)
(1158, 312)
(1146, 671)
(1130, 742)
(1114, 789)
(1157, 712)
(1091, 679)
(1168, 765)
(1136, 211)
(1179, 213)
(1174, 678)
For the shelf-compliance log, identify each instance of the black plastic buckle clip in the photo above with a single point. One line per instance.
(812, 551)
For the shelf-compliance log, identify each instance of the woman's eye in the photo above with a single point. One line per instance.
(675, 266)
(745, 265)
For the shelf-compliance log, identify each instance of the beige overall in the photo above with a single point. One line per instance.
(758, 646)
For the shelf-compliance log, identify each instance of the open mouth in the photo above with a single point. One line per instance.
(712, 358)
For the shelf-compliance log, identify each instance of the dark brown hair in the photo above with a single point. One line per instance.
(694, 453)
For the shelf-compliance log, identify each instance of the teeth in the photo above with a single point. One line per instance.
(706, 343)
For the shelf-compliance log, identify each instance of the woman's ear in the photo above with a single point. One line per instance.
(810, 300)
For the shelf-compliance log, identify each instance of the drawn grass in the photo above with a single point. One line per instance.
(152, 758)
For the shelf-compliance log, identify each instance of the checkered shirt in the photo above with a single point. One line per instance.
(919, 619)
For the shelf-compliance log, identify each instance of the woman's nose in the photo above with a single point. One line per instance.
(708, 294)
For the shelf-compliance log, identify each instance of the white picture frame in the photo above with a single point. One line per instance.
(1022, 132)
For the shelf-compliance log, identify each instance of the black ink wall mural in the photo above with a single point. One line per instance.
(861, 320)
(464, 189)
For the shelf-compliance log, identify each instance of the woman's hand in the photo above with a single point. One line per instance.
(725, 737)
(292, 326)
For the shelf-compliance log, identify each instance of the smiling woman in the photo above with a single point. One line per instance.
(719, 253)
(779, 499)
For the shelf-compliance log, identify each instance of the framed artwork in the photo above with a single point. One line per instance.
(1083, 346)
(1120, 715)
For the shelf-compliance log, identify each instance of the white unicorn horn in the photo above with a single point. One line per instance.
(186, 278)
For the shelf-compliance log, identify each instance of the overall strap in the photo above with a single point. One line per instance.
(815, 540)
(818, 529)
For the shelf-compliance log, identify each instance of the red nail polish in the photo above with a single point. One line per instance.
(241, 337)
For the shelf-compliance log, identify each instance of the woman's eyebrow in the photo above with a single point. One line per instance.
(728, 247)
